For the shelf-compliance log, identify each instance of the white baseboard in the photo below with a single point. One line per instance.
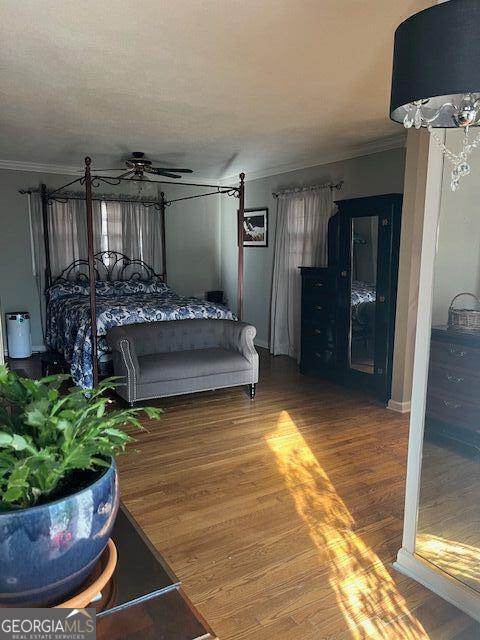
(399, 407)
(448, 588)
(262, 343)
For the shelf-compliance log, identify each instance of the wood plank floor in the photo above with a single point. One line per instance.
(282, 516)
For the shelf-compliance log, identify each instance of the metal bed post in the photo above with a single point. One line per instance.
(162, 223)
(240, 217)
(91, 269)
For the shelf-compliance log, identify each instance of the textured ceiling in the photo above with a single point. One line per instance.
(217, 85)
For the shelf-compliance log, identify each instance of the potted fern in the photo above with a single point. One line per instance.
(58, 484)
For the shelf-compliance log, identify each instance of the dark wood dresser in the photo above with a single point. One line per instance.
(453, 396)
(319, 321)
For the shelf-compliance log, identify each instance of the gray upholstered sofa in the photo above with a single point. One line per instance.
(169, 358)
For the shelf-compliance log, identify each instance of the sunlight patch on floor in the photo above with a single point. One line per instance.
(455, 558)
(365, 592)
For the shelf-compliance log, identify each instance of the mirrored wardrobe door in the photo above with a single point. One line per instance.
(363, 293)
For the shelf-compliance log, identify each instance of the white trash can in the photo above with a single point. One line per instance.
(18, 334)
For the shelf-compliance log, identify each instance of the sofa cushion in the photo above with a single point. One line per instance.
(190, 364)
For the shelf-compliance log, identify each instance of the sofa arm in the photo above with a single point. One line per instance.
(125, 359)
(239, 336)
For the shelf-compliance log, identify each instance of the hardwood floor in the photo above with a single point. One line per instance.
(281, 516)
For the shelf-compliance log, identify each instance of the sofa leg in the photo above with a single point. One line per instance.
(252, 389)
(126, 404)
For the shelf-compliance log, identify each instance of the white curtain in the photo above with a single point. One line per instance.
(300, 241)
(67, 228)
(141, 233)
(129, 227)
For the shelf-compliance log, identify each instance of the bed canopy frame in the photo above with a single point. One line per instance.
(123, 264)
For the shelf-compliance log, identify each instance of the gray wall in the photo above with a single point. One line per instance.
(193, 242)
(18, 291)
(192, 229)
(368, 175)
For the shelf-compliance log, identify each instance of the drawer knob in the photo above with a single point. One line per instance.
(318, 331)
(318, 355)
(457, 353)
(319, 284)
(452, 405)
(318, 307)
(454, 379)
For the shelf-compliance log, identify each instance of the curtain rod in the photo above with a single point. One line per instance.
(63, 197)
(327, 185)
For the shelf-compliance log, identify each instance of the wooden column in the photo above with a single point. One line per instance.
(46, 236)
(91, 269)
(162, 222)
(241, 215)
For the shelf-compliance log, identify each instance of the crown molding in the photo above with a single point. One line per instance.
(369, 148)
(357, 151)
(38, 167)
(65, 170)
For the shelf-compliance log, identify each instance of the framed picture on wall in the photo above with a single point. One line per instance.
(255, 227)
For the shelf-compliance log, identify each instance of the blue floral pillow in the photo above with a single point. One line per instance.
(66, 290)
(130, 287)
(155, 285)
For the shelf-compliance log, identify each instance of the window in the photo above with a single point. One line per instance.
(110, 227)
(104, 228)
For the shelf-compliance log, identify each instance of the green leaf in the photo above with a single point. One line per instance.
(19, 443)
(5, 439)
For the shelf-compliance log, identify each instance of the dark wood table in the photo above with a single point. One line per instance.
(144, 599)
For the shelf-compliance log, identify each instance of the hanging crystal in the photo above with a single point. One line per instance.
(465, 114)
(408, 120)
(418, 118)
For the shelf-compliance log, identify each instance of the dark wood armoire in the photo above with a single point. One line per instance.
(349, 306)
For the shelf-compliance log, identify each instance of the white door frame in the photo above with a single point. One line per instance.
(452, 590)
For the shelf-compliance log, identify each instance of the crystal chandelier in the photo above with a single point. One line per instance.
(437, 53)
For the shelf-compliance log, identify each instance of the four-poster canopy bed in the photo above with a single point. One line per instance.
(110, 268)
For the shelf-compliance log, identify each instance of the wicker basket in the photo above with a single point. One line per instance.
(465, 320)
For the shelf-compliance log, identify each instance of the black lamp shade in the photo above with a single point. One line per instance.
(437, 56)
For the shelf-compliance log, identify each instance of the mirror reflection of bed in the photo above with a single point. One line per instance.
(363, 293)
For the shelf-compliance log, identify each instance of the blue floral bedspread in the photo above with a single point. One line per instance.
(363, 294)
(68, 321)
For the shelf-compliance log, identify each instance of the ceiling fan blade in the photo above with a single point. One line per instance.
(161, 172)
(167, 174)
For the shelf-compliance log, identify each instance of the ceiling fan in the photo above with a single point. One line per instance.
(138, 165)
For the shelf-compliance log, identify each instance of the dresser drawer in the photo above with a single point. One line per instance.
(454, 381)
(318, 360)
(318, 309)
(450, 354)
(453, 410)
(316, 335)
(314, 283)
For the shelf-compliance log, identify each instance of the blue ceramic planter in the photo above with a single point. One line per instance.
(48, 550)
